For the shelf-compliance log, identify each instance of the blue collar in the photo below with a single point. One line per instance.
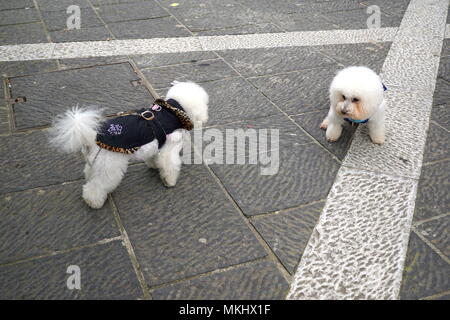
(355, 121)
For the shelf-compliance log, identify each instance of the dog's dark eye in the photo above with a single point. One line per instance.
(343, 97)
(355, 100)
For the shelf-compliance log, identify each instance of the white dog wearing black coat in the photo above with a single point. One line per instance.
(78, 130)
(356, 96)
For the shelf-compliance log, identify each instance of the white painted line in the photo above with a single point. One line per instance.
(89, 49)
(358, 248)
(447, 32)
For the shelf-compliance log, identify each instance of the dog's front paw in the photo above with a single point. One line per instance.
(169, 183)
(93, 197)
(333, 133)
(377, 139)
(324, 124)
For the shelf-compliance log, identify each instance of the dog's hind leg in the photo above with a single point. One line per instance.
(168, 159)
(104, 175)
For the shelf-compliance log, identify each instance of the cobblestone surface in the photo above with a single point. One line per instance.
(225, 231)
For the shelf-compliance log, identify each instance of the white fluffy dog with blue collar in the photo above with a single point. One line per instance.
(153, 135)
(356, 96)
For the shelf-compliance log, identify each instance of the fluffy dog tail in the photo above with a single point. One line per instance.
(76, 129)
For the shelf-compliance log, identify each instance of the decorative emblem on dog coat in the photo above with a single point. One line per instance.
(115, 129)
(128, 131)
(350, 120)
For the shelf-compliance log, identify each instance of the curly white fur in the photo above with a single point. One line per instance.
(76, 131)
(356, 93)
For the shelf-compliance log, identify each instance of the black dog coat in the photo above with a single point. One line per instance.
(127, 132)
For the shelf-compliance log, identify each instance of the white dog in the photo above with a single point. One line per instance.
(153, 134)
(356, 96)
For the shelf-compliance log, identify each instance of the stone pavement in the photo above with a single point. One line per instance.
(225, 231)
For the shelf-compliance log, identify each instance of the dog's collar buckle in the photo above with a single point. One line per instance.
(147, 115)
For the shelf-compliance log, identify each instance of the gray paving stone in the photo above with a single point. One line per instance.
(305, 174)
(200, 71)
(20, 68)
(4, 120)
(18, 16)
(105, 2)
(89, 62)
(444, 297)
(52, 5)
(438, 144)
(202, 15)
(247, 29)
(131, 11)
(438, 233)
(426, 273)
(22, 33)
(257, 62)
(446, 45)
(106, 273)
(289, 136)
(358, 19)
(97, 3)
(371, 55)
(311, 21)
(152, 28)
(272, 7)
(41, 221)
(106, 86)
(16, 4)
(165, 59)
(84, 34)
(299, 91)
(255, 281)
(329, 6)
(57, 20)
(433, 197)
(47, 167)
(179, 232)
(441, 115)
(288, 232)
(444, 68)
(397, 7)
(2, 91)
(441, 92)
(311, 123)
(233, 100)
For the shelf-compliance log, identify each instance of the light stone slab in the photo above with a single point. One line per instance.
(88, 49)
(353, 253)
